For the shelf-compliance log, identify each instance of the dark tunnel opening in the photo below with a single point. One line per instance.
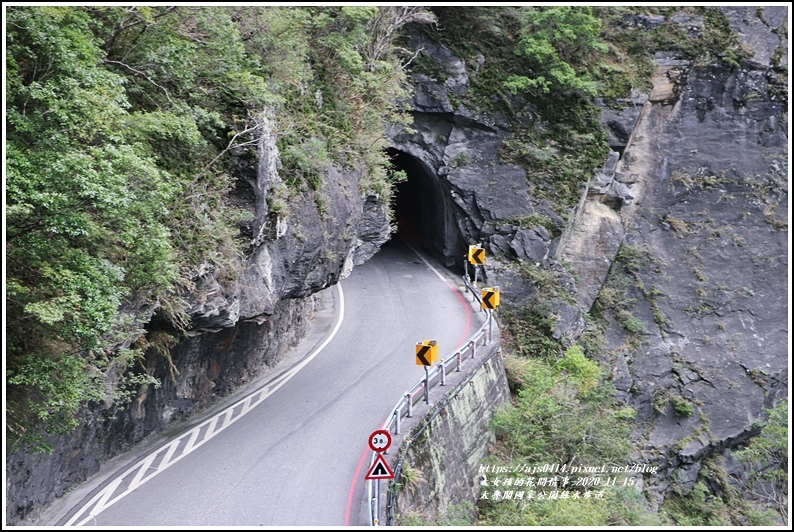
(407, 202)
(421, 208)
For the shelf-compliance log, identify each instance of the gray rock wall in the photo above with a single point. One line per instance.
(705, 177)
(237, 330)
(713, 219)
(701, 188)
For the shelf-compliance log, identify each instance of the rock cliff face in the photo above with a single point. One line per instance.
(706, 170)
(696, 188)
(711, 214)
(697, 191)
(237, 330)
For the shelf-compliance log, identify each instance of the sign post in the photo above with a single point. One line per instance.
(426, 355)
(427, 386)
(379, 442)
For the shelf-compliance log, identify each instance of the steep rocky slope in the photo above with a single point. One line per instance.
(707, 167)
(237, 331)
(696, 196)
(680, 240)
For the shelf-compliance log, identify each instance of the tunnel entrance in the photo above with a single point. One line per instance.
(422, 208)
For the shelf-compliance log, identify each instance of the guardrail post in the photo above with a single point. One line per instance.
(457, 364)
(466, 272)
(427, 386)
(490, 326)
(473, 348)
(390, 496)
(373, 508)
(443, 374)
(397, 421)
(410, 401)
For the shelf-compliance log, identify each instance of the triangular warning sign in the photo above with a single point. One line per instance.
(380, 469)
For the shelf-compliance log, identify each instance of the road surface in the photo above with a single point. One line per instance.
(290, 450)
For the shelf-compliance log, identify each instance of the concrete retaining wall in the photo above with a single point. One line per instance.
(445, 449)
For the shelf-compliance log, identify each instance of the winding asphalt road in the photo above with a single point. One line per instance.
(290, 449)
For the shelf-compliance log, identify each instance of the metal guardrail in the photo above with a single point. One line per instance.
(404, 407)
(391, 495)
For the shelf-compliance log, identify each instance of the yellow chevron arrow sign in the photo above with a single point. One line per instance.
(490, 298)
(426, 352)
(476, 255)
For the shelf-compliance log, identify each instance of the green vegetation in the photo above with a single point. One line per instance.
(535, 220)
(531, 332)
(461, 159)
(554, 41)
(664, 397)
(545, 53)
(563, 414)
(583, 371)
(682, 407)
(124, 127)
(614, 298)
(616, 506)
(557, 418)
(455, 515)
(338, 82)
(543, 65)
(766, 456)
(714, 42)
(698, 507)
(410, 478)
(632, 257)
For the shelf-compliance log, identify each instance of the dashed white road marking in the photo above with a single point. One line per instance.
(167, 455)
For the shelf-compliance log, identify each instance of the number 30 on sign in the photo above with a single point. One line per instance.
(379, 440)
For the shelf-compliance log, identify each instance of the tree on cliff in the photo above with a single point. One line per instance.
(120, 126)
(557, 43)
(767, 456)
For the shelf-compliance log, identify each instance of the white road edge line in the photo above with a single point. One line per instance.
(446, 281)
(106, 493)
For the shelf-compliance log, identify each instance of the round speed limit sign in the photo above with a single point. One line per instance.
(380, 440)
